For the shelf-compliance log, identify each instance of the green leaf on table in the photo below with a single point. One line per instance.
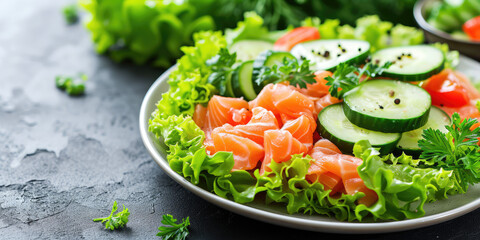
(73, 85)
(70, 13)
(117, 220)
(173, 230)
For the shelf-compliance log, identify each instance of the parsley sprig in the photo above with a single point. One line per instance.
(298, 75)
(117, 220)
(346, 77)
(455, 150)
(176, 231)
(221, 67)
(70, 13)
(73, 85)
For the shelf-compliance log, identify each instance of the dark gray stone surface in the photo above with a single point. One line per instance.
(64, 160)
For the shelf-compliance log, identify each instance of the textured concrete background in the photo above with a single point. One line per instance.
(64, 160)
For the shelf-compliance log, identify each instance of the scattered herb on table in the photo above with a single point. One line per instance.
(298, 75)
(117, 220)
(455, 150)
(346, 77)
(74, 86)
(176, 231)
(70, 13)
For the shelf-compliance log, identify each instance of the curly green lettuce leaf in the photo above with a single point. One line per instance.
(143, 30)
(403, 35)
(452, 58)
(207, 45)
(402, 189)
(187, 156)
(380, 34)
(252, 28)
(286, 183)
(189, 81)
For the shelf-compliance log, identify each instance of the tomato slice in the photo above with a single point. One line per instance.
(472, 28)
(296, 36)
(447, 89)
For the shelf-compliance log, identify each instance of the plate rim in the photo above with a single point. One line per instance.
(283, 220)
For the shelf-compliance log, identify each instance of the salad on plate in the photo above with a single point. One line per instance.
(349, 122)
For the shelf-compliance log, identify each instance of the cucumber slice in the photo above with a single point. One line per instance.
(229, 86)
(410, 63)
(409, 141)
(327, 54)
(387, 106)
(333, 125)
(242, 81)
(268, 59)
(249, 49)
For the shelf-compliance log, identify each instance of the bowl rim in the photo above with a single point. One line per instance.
(420, 19)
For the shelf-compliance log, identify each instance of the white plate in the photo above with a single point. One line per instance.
(437, 212)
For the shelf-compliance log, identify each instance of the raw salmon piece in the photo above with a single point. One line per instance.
(328, 159)
(264, 98)
(246, 152)
(217, 113)
(200, 115)
(329, 181)
(464, 111)
(319, 88)
(284, 102)
(261, 121)
(279, 146)
(301, 130)
(218, 110)
(325, 101)
(291, 102)
(239, 116)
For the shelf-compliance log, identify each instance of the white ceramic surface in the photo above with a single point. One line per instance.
(436, 212)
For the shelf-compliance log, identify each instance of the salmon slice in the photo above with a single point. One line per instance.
(261, 121)
(464, 111)
(239, 116)
(285, 102)
(329, 181)
(329, 160)
(200, 115)
(301, 130)
(219, 110)
(246, 152)
(279, 146)
(324, 102)
(319, 88)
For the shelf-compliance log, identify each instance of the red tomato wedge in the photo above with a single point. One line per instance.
(472, 28)
(296, 36)
(450, 89)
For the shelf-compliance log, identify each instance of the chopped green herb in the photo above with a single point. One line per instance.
(346, 77)
(455, 150)
(297, 75)
(174, 231)
(74, 86)
(70, 13)
(115, 221)
(221, 67)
